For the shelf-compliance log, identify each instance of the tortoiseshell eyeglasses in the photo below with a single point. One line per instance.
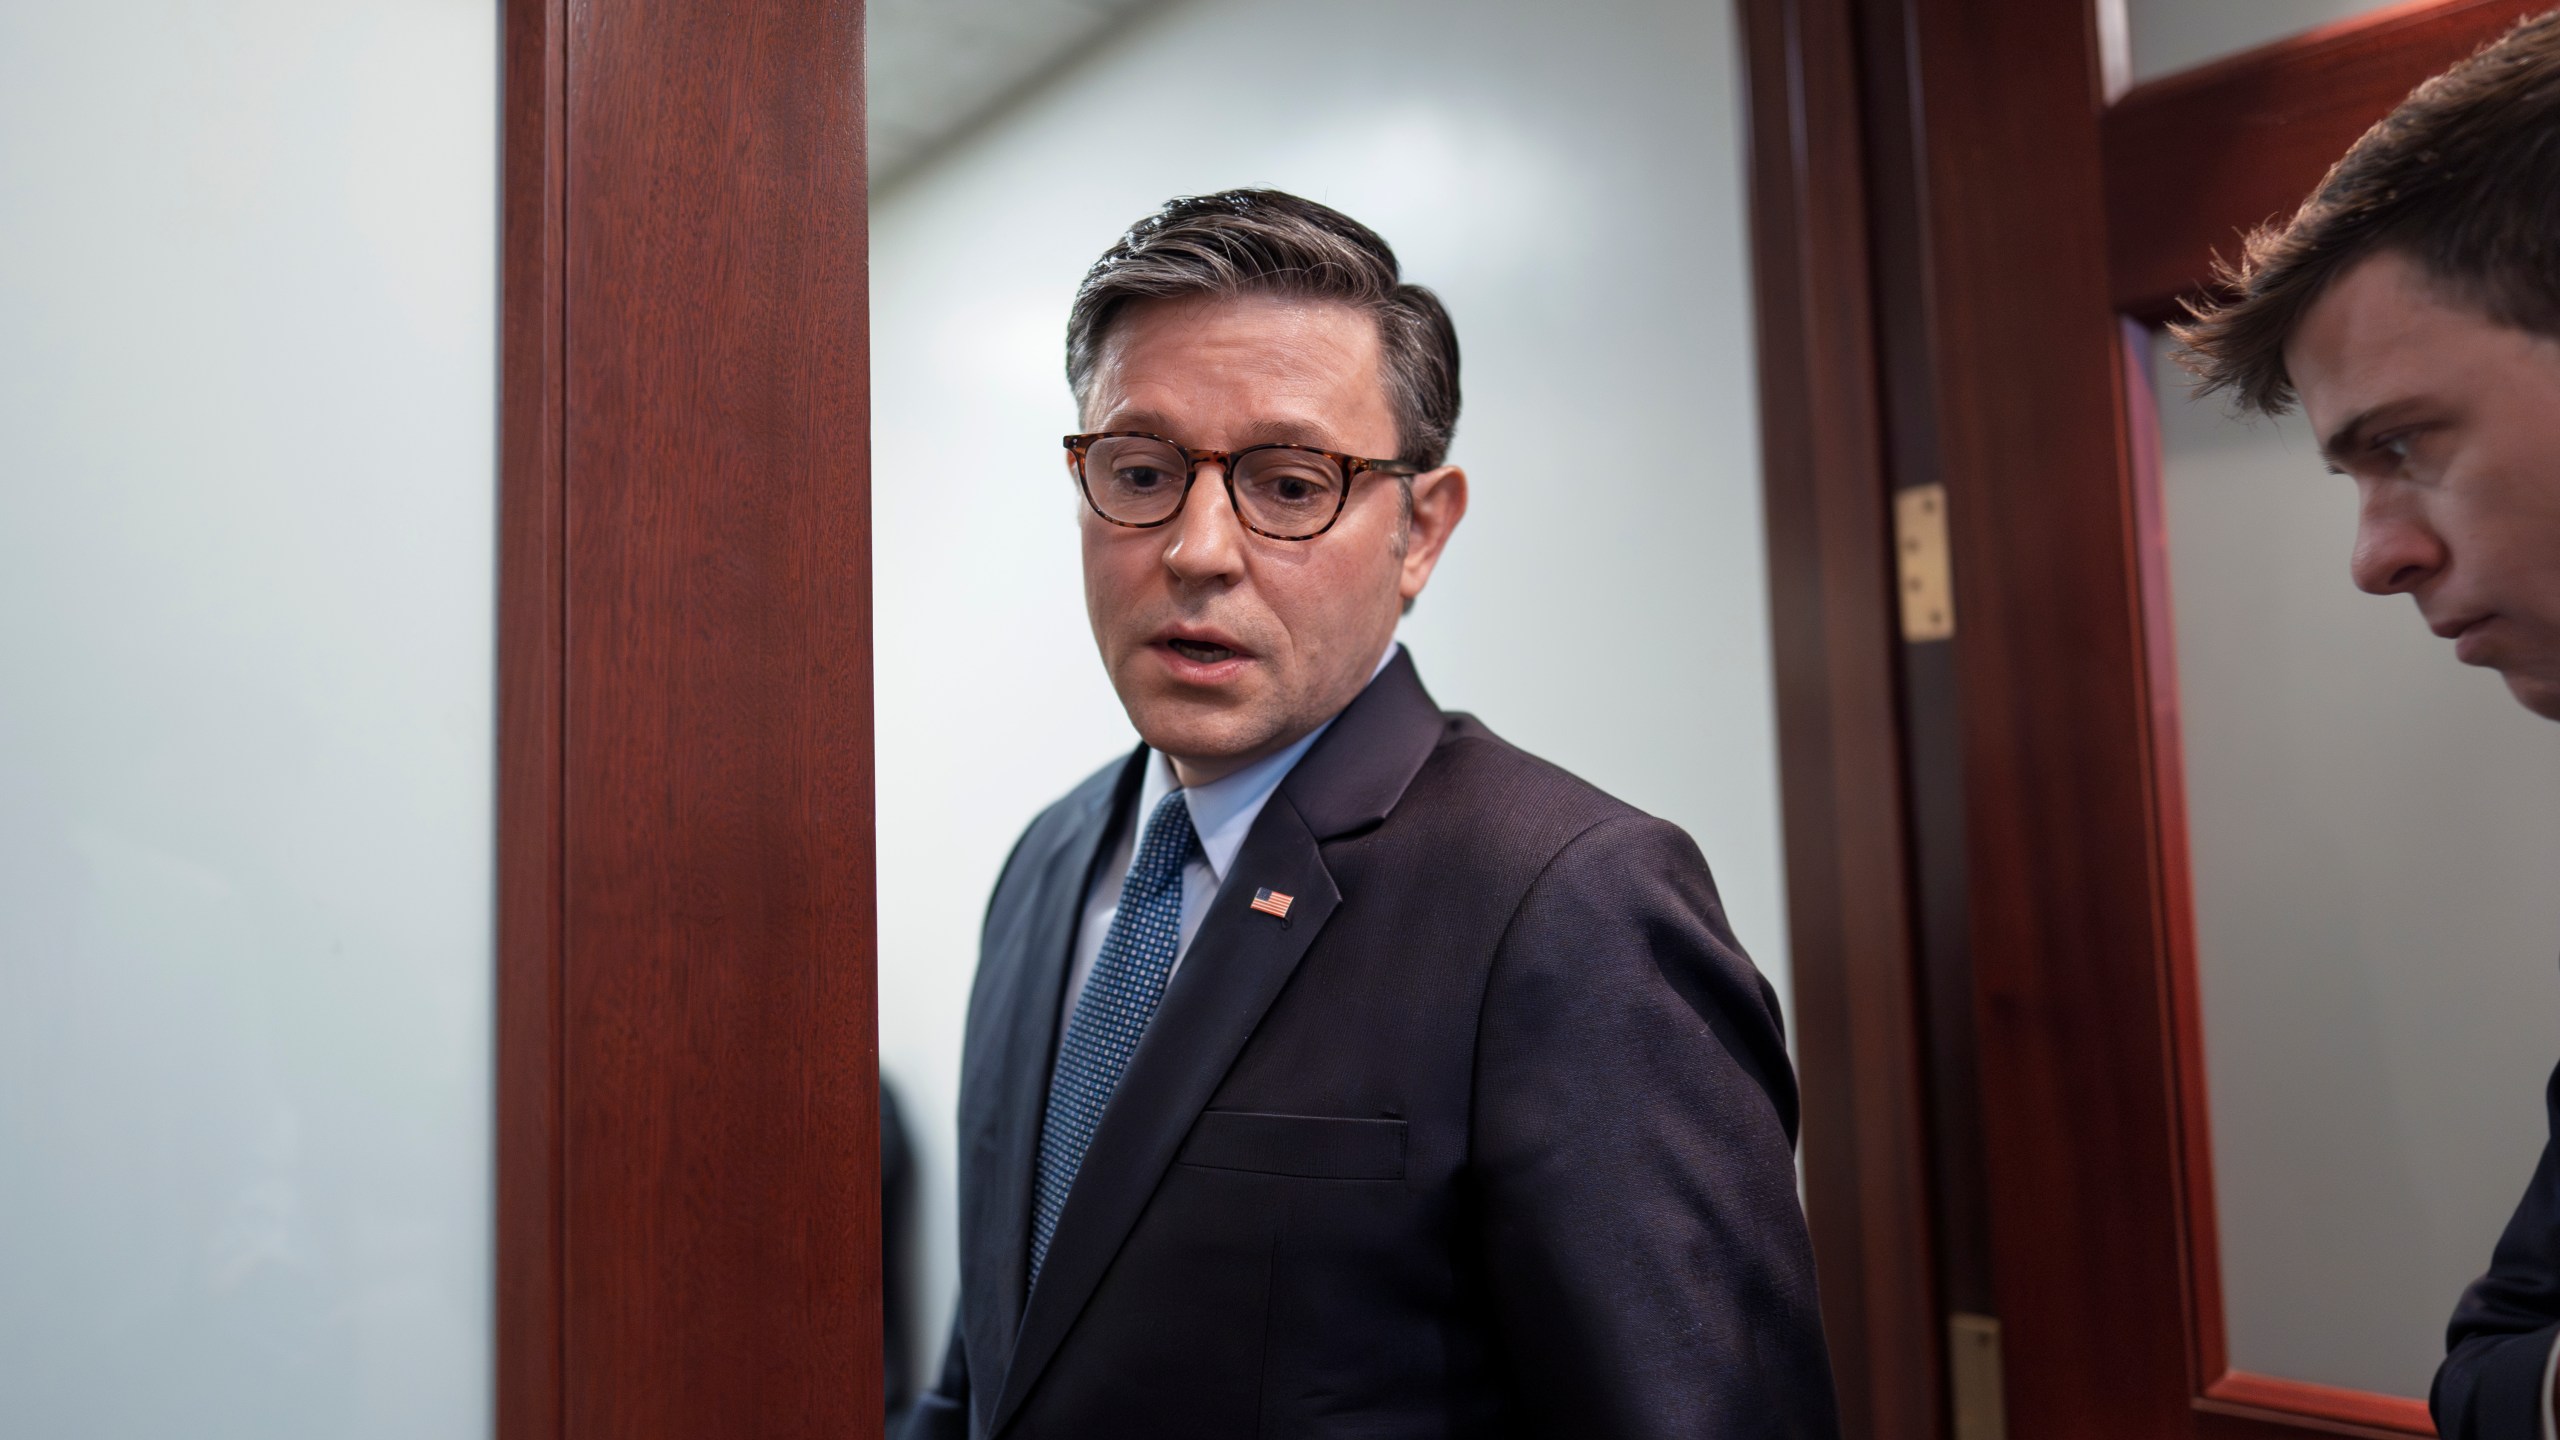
(1285, 492)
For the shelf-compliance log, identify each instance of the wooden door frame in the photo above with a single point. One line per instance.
(1959, 236)
(1843, 793)
(688, 1196)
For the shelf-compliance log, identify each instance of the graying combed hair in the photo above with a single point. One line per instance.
(1267, 242)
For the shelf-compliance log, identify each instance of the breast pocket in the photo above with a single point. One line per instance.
(1312, 1147)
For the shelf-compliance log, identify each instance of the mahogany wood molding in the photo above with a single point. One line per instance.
(1832, 604)
(2196, 159)
(2240, 1395)
(532, 621)
(688, 1238)
(2040, 216)
(2078, 1100)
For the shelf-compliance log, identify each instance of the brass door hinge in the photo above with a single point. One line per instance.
(1973, 1376)
(1920, 563)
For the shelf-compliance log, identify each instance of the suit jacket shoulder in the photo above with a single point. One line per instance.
(1524, 806)
(1067, 821)
(2490, 1385)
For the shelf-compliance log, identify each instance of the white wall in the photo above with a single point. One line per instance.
(1569, 177)
(2173, 35)
(2374, 828)
(247, 363)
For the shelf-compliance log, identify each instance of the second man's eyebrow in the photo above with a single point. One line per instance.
(2352, 437)
(2346, 438)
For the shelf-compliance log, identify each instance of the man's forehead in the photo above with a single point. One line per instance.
(1272, 427)
(2371, 337)
(1258, 368)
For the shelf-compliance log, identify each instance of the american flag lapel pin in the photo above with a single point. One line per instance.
(1271, 902)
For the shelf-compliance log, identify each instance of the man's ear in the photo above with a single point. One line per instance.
(1439, 503)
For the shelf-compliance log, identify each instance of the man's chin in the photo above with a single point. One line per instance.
(1205, 743)
(1204, 757)
(2539, 693)
(1190, 723)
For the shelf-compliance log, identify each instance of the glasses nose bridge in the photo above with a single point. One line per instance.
(1225, 460)
(1193, 459)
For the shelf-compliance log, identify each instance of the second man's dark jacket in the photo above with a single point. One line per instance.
(1491, 1136)
(2490, 1386)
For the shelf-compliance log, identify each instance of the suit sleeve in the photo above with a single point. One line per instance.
(1633, 1150)
(942, 1413)
(2490, 1386)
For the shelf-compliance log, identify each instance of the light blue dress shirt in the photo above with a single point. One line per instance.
(1222, 812)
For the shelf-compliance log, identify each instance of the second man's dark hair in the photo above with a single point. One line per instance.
(1268, 242)
(2463, 178)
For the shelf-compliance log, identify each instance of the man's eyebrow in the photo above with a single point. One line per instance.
(2347, 437)
(1288, 432)
(1261, 432)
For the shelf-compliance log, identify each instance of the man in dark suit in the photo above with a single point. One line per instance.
(1333, 1067)
(2413, 305)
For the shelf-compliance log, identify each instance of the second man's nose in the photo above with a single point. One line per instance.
(2395, 552)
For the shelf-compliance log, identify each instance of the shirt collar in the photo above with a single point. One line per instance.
(1223, 811)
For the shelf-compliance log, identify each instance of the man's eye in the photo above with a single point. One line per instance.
(1140, 477)
(1292, 485)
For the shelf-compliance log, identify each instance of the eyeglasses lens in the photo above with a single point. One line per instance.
(1286, 492)
(1281, 490)
(1134, 481)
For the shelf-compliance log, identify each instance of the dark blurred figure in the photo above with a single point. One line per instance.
(897, 1254)
(2413, 305)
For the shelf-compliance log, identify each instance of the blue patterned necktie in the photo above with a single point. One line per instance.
(1119, 998)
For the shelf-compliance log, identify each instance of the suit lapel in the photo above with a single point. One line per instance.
(1028, 968)
(1235, 968)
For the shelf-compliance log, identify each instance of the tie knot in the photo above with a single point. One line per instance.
(1166, 844)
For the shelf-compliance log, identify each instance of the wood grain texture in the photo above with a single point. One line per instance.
(2197, 159)
(722, 1197)
(531, 576)
(689, 1239)
(1833, 606)
(2078, 1102)
(1932, 714)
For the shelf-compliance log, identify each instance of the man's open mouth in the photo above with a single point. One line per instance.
(1201, 651)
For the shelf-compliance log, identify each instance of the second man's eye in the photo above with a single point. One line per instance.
(2397, 446)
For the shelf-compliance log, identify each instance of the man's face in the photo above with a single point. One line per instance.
(2449, 423)
(1225, 645)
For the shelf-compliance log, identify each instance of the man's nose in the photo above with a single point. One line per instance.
(1208, 538)
(2396, 551)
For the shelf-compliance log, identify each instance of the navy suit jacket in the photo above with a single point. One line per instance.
(2490, 1385)
(1492, 1135)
